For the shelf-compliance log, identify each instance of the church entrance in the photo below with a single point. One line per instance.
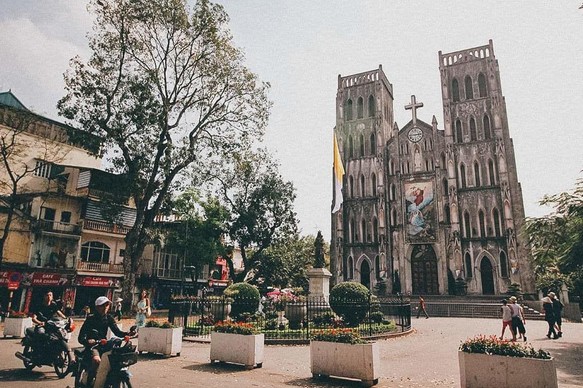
(487, 277)
(424, 270)
(365, 274)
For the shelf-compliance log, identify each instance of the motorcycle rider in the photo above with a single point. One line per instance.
(95, 329)
(47, 312)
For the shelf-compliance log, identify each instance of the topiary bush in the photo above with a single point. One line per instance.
(245, 299)
(350, 300)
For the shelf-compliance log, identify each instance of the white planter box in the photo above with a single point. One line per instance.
(15, 327)
(484, 370)
(360, 361)
(159, 340)
(238, 349)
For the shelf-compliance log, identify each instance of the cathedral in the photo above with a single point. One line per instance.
(427, 210)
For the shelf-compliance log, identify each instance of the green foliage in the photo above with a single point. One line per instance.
(152, 323)
(245, 299)
(235, 328)
(376, 316)
(324, 319)
(493, 345)
(514, 289)
(345, 336)
(350, 300)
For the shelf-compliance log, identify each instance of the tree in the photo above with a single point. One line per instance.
(260, 203)
(18, 151)
(557, 241)
(164, 88)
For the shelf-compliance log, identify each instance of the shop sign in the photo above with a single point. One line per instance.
(49, 279)
(14, 280)
(98, 281)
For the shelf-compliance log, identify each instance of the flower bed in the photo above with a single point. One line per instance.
(238, 343)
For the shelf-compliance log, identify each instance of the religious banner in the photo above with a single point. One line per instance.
(49, 279)
(98, 281)
(421, 215)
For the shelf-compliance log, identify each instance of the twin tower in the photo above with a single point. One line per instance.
(430, 210)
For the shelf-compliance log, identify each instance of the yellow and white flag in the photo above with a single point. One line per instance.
(338, 175)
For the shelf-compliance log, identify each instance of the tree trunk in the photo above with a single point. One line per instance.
(135, 244)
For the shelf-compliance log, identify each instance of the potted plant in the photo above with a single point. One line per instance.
(237, 342)
(296, 310)
(245, 299)
(219, 306)
(342, 353)
(491, 362)
(16, 324)
(159, 338)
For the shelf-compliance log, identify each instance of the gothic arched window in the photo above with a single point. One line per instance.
(350, 147)
(351, 186)
(443, 160)
(348, 110)
(371, 106)
(463, 175)
(459, 138)
(377, 267)
(444, 186)
(394, 217)
(469, 88)
(473, 132)
(362, 188)
(353, 232)
(365, 236)
(468, 265)
(503, 265)
(375, 230)
(447, 214)
(373, 144)
(496, 216)
(467, 226)
(350, 268)
(393, 192)
(482, 85)
(361, 145)
(491, 173)
(482, 224)
(455, 90)
(477, 174)
(487, 130)
(359, 108)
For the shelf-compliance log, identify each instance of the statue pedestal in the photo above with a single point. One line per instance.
(319, 279)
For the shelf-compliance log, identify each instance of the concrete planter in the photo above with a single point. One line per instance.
(159, 340)
(360, 361)
(295, 314)
(484, 370)
(15, 327)
(238, 349)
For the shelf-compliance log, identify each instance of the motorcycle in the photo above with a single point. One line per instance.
(113, 371)
(48, 348)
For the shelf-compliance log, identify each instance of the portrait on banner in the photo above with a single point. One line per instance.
(420, 211)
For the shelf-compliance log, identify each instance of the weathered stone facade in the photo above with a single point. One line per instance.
(429, 210)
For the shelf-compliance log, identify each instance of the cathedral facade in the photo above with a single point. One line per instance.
(429, 210)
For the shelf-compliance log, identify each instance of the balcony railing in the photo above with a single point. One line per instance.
(100, 267)
(105, 227)
(58, 227)
(168, 273)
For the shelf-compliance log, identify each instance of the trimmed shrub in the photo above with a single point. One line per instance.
(350, 300)
(245, 299)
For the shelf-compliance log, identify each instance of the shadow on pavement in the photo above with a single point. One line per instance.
(22, 374)
(568, 359)
(217, 368)
(324, 382)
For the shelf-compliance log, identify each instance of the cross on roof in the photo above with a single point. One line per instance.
(413, 106)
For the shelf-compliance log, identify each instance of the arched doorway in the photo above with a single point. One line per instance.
(424, 270)
(487, 276)
(365, 274)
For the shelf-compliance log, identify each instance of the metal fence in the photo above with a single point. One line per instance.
(294, 320)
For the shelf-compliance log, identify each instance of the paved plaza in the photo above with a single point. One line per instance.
(425, 358)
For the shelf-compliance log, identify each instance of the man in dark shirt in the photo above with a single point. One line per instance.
(95, 329)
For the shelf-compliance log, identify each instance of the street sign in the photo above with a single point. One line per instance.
(14, 280)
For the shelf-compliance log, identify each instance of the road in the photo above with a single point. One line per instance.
(425, 358)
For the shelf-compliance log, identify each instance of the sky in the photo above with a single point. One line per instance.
(301, 46)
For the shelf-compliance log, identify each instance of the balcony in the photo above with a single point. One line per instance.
(99, 267)
(105, 227)
(58, 227)
(167, 273)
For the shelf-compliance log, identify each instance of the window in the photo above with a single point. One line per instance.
(468, 265)
(374, 185)
(447, 214)
(394, 217)
(122, 253)
(482, 85)
(455, 90)
(443, 160)
(66, 217)
(354, 236)
(348, 110)
(361, 145)
(463, 175)
(42, 169)
(393, 193)
(365, 235)
(482, 223)
(473, 133)
(469, 88)
(351, 186)
(477, 174)
(503, 265)
(350, 268)
(487, 131)
(48, 213)
(375, 230)
(350, 147)
(444, 186)
(373, 144)
(496, 216)
(377, 267)
(458, 132)
(359, 108)
(95, 252)
(491, 172)
(371, 106)
(467, 226)
(362, 192)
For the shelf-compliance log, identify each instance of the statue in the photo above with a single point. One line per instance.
(319, 261)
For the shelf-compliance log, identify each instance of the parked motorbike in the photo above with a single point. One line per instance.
(113, 371)
(47, 348)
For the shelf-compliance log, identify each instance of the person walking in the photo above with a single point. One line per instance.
(143, 309)
(557, 310)
(507, 319)
(117, 309)
(518, 319)
(549, 317)
(422, 308)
